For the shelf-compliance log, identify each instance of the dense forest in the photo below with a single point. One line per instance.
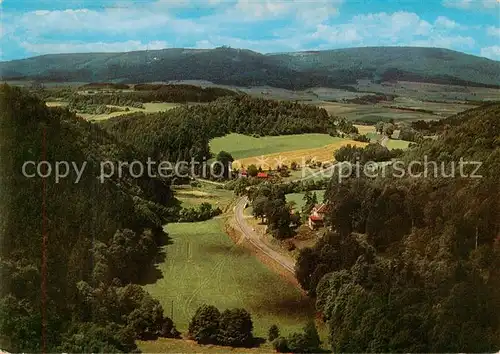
(71, 253)
(183, 133)
(413, 264)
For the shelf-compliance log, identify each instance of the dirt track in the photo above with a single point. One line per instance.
(287, 263)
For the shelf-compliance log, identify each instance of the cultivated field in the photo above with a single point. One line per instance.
(365, 129)
(203, 265)
(374, 112)
(242, 146)
(427, 91)
(322, 154)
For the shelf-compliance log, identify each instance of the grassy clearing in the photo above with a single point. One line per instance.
(56, 104)
(397, 144)
(242, 146)
(165, 345)
(152, 107)
(366, 129)
(203, 265)
(373, 113)
(322, 154)
(298, 198)
(194, 196)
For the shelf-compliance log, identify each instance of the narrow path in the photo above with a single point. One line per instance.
(286, 262)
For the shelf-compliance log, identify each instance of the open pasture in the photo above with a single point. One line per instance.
(194, 196)
(203, 265)
(300, 156)
(242, 146)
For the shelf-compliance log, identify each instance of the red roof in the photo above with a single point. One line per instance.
(262, 175)
(316, 218)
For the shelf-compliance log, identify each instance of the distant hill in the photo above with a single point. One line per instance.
(299, 70)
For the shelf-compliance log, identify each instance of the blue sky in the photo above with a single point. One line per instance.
(35, 27)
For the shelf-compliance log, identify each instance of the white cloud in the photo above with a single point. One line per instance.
(374, 28)
(392, 25)
(472, 4)
(399, 28)
(305, 12)
(492, 52)
(340, 34)
(81, 47)
(445, 22)
(110, 20)
(493, 31)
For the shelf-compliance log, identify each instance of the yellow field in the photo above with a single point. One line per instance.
(364, 129)
(323, 154)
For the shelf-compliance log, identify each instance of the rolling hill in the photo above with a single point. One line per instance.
(241, 67)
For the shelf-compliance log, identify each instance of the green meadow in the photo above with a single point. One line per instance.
(203, 265)
(241, 146)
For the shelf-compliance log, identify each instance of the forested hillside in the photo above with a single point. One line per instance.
(300, 70)
(413, 263)
(71, 252)
(183, 133)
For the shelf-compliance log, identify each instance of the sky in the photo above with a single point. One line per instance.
(36, 27)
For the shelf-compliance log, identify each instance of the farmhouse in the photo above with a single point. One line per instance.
(263, 175)
(317, 216)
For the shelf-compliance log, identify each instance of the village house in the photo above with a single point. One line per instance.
(244, 173)
(317, 216)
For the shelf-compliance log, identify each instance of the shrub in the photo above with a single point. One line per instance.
(201, 213)
(204, 326)
(273, 333)
(281, 345)
(235, 328)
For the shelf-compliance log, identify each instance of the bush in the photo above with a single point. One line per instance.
(361, 138)
(273, 333)
(281, 345)
(168, 329)
(232, 328)
(204, 326)
(235, 328)
(204, 212)
(306, 342)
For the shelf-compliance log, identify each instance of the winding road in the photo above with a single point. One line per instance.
(286, 262)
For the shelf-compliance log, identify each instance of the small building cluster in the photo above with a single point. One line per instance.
(317, 216)
(262, 175)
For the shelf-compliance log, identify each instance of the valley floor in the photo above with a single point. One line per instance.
(203, 265)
